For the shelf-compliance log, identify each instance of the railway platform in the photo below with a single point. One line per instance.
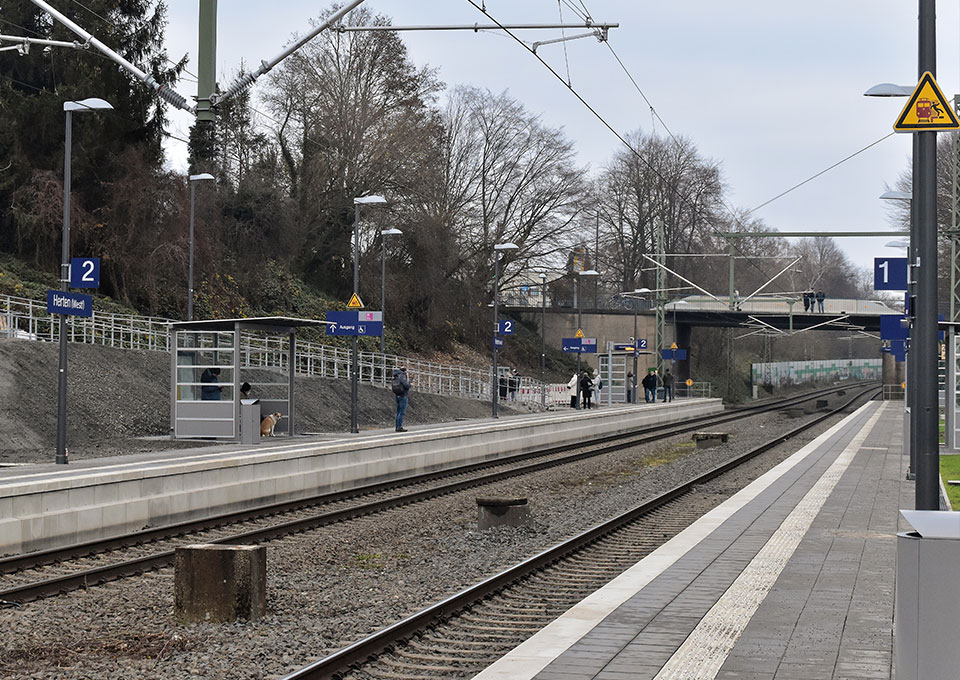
(792, 577)
(49, 506)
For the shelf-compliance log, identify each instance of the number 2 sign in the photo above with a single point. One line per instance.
(85, 272)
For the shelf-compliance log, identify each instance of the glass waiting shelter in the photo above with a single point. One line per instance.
(210, 361)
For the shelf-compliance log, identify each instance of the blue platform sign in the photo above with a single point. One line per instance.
(497, 342)
(891, 327)
(506, 327)
(74, 304)
(890, 273)
(673, 354)
(580, 345)
(355, 323)
(85, 272)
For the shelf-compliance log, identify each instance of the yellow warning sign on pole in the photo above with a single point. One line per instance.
(673, 345)
(579, 333)
(927, 109)
(355, 302)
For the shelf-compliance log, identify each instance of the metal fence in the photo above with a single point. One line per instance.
(28, 319)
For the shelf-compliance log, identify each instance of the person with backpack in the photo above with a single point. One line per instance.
(586, 389)
(597, 386)
(400, 387)
(649, 383)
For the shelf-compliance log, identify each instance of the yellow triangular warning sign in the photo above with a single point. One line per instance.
(927, 109)
(673, 345)
(579, 333)
(355, 302)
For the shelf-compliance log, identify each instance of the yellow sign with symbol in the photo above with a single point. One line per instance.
(927, 109)
(689, 382)
(355, 302)
(579, 333)
(673, 345)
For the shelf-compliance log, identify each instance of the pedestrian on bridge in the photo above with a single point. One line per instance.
(806, 301)
(820, 298)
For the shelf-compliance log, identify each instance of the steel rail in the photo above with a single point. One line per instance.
(338, 663)
(98, 575)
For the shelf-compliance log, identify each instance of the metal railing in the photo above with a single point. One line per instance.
(893, 392)
(28, 319)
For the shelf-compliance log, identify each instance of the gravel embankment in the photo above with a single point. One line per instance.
(335, 585)
(117, 397)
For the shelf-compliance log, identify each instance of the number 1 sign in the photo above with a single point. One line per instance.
(890, 273)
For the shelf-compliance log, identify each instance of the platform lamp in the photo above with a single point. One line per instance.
(543, 339)
(193, 180)
(496, 319)
(383, 284)
(909, 393)
(636, 349)
(586, 272)
(354, 359)
(69, 108)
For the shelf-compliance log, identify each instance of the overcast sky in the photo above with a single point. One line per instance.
(770, 90)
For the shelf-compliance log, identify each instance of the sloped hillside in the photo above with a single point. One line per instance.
(118, 397)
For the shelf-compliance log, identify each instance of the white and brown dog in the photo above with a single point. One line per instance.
(268, 423)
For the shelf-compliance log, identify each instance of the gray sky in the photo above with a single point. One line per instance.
(771, 90)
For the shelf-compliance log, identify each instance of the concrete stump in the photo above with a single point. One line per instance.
(497, 512)
(823, 403)
(220, 583)
(707, 440)
(795, 412)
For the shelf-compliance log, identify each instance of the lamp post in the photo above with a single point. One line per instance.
(543, 339)
(587, 272)
(910, 418)
(636, 349)
(92, 104)
(354, 359)
(193, 179)
(496, 319)
(383, 284)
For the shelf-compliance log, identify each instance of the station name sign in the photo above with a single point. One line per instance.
(74, 304)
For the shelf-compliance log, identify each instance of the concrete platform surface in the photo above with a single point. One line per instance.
(793, 577)
(47, 506)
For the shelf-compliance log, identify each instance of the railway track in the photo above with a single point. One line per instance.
(465, 633)
(49, 573)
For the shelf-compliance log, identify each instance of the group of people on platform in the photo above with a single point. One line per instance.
(584, 386)
(813, 301)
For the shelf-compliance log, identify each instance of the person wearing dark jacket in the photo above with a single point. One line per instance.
(649, 383)
(586, 389)
(668, 385)
(210, 390)
(401, 388)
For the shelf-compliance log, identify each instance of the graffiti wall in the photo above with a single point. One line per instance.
(783, 373)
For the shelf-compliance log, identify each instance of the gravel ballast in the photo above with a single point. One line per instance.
(332, 586)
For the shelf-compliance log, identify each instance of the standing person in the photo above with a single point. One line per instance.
(806, 302)
(572, 388)
(649, 383)
(400, 387)
(597, 382)
(630, 387)
(820, 298)
(668, 385)
(211, 390)
(586, 389)
(514, 384)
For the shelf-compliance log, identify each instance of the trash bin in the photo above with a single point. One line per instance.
(249, 421)
(928, 600)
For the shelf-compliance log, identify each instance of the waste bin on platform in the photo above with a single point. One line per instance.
(928, 597)
(249, 421)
